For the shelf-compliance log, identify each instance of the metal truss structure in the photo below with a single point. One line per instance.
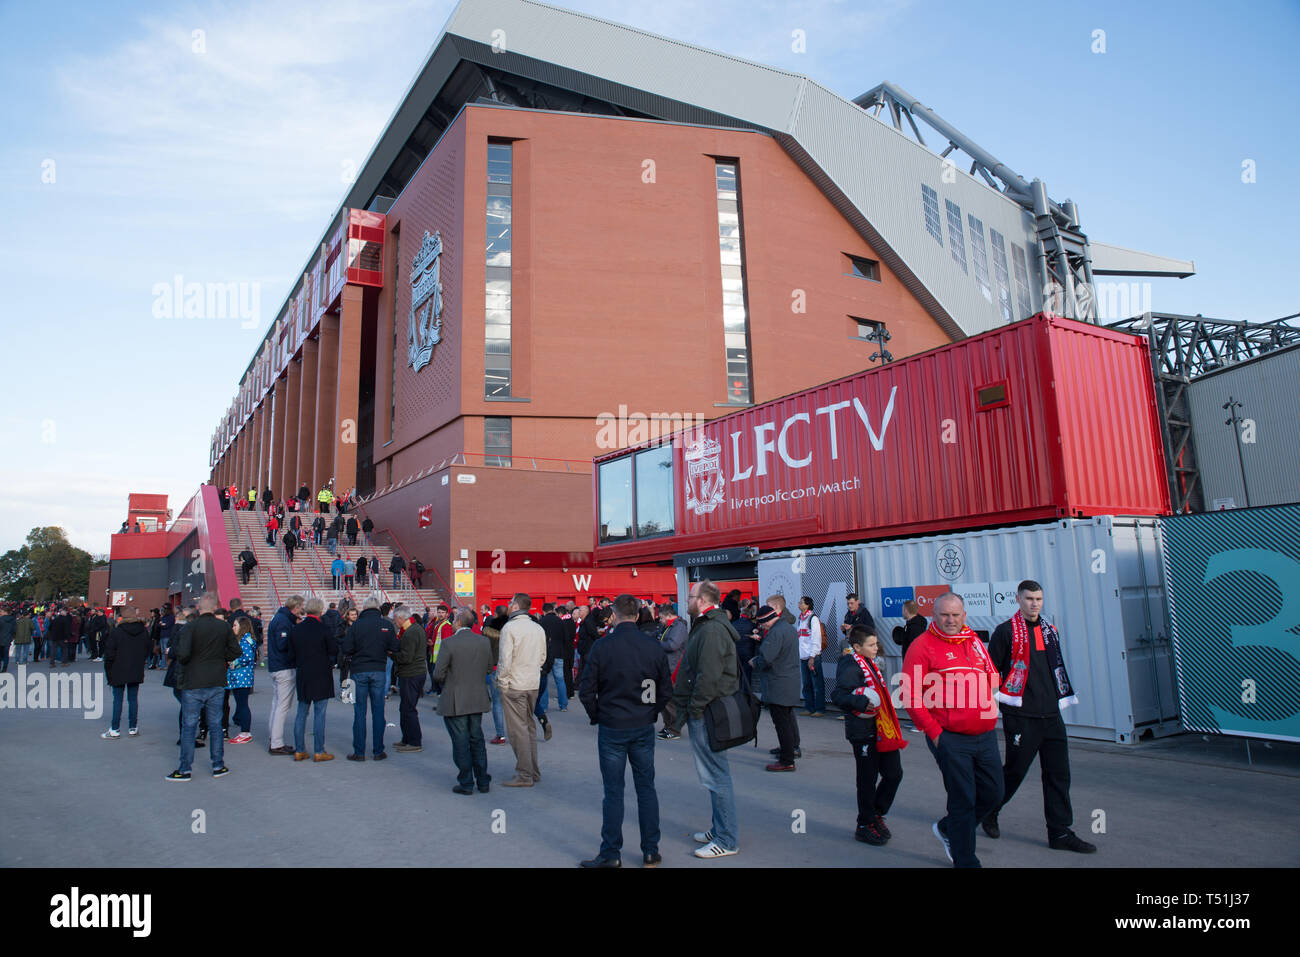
(1182, 349)
(1064, 261)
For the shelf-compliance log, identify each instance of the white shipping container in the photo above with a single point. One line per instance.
(1103, 586)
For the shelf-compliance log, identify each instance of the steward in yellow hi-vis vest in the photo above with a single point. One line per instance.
(323, 498)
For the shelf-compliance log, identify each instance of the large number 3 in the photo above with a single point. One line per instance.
(1273, 633)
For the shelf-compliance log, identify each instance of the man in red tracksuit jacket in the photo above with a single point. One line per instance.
(949, 681)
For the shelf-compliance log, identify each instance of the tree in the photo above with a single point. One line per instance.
(47, 567)
(15, 574)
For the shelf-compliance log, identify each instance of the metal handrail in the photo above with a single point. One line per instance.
(449, 594)
(275, 592)
(370, 579)
(577, 466)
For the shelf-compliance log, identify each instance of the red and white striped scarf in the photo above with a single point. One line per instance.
(889, 737)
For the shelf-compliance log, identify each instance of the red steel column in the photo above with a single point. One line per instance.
(326, 397)
(237, 454)
(276, 479)
(288, 484)
(307, 420)
(264, 460)
(258, 430)
(349, 387)
(254, 436)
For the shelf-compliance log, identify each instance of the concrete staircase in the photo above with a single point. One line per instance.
(275, 579)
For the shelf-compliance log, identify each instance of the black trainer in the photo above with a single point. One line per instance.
(868, 834)
(990, 825)
(221, 772)
(604, 862)
(1071, 842)
(651, 860)
(177, 776)
(881, 829)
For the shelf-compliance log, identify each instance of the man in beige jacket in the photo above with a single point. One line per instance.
(519, 672)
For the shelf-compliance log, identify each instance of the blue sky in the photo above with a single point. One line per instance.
(224, 165)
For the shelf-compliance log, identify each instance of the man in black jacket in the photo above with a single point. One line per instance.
(914, 626)
(205, 649)
(369, 643)
(856, 617)
(1034, 688)
(397, 566)
(557, 635)
(588, 633)
(352, 528)
(57, 634)
(625, 686)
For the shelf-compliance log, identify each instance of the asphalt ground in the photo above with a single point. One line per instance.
(72, 799)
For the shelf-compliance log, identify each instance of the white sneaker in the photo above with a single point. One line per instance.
(133, 732)
(110, 733)
(934, 828)
(712, 850)
(703, 837)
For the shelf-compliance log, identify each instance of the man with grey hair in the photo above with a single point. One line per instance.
(315, 650)
(949, 664)
(280, 665)
(463, 665)
(369, 643)
(519, 674)
(410, 677)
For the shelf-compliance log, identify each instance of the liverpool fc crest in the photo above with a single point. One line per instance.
(426, 302)
(704, 481)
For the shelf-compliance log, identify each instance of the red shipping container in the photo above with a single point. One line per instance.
(1041, 419)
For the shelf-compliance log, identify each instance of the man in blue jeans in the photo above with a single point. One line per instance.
(369, 642)
(205, 649)
(556, 636)
(625, 685)
(709, 670)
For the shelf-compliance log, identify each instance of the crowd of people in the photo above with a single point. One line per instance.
(631, 664)
(58, 631)
(301, 501)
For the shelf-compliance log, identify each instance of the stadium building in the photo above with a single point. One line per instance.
(572, 233)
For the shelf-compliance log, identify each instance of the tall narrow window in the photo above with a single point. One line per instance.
(1000, 274)
(496, 442)
(1022, 281)
(956, 241)
(735, 309)
(496, 360)
(397, 284)
(980, 255)
(930, 203)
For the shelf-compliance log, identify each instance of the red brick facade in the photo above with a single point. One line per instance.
(616, 300)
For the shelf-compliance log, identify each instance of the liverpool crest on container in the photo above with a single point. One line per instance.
(704, 482)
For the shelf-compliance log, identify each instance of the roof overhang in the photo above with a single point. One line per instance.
(1108, 260)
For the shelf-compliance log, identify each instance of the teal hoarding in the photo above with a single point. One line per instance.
(1234, 609)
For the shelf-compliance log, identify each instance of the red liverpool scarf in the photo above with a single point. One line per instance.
(889, 737)
(1013, 688)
